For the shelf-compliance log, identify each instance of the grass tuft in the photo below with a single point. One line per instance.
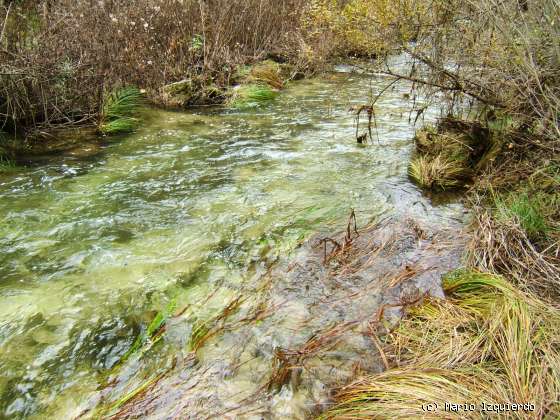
(118, 111)
(448, 153)
(118, 126)
(529, 212)
(436, 173)
(252, 95)
(267, 72)
(6, 164)
(487, 342)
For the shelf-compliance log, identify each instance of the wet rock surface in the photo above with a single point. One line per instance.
(323, 311)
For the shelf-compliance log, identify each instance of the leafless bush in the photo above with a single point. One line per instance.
(497, 62)
(57, 57)
(502, 55)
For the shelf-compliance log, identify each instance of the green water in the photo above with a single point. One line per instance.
(92, 247)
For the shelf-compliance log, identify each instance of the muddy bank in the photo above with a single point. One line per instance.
(313, 326)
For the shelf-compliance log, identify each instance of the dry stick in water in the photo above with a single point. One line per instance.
(337, 248)
(368, 109)
(288, 360)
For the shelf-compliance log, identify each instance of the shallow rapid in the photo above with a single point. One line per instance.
(182, 214)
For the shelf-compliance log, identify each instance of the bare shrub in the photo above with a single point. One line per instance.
(492, 54)
(58, 57)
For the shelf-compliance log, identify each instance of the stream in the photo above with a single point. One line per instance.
(180, 219)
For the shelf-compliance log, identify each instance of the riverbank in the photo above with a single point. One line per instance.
(123, 261)
(177, 54)
(490, 348)
(486, 350)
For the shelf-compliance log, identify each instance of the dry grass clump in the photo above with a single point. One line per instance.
(506, 244)
(267, 72)
(487, 342)
(447, 154)
(516, 205)
(436, 173)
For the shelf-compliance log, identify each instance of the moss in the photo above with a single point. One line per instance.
(191, 91)
(251, 95)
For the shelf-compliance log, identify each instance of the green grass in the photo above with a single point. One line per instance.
(132, 394)
(7, 164)
(487, 341)
(501, 123)
(118, 126)
(200, 331)
(119, 110)
(149, 337)
(251, 95)
(528, 211)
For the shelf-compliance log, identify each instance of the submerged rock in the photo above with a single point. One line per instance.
(84, 150)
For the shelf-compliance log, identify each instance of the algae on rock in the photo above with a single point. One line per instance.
(190, 91)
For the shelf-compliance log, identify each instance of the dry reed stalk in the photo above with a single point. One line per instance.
(287, 361)
(506, 249)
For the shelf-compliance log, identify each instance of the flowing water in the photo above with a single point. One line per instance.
(186, 212)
